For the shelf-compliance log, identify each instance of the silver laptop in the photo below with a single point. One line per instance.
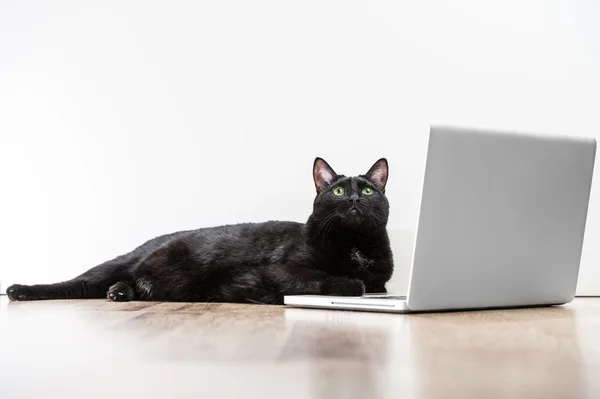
(501, 224)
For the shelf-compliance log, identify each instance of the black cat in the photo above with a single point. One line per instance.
(343, 249)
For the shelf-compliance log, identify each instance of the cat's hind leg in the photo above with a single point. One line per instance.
(72, 289)
(121, 292)
(92, 284)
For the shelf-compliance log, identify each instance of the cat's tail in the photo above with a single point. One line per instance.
(92, 284)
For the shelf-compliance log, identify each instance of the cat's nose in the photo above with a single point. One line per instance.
(354, 198)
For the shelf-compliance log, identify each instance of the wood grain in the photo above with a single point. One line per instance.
(99, 349)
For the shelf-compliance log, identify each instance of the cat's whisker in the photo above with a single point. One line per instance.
(325, 226)
(325, 221)
(329, 228)
(324, 231)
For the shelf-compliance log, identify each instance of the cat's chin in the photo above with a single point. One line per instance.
(354, 220)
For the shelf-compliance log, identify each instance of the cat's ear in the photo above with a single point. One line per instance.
(378, 174)
(323, 174)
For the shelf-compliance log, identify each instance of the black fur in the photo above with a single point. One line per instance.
(342, 249)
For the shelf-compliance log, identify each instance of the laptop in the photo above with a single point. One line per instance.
(501, 224)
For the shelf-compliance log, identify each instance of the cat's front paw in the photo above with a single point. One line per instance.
(18, 292)
(120, 292)
(343, 287)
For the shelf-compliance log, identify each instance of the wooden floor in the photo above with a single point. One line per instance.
(101, 349)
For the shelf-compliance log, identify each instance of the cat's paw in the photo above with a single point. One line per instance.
(343, 287)
(19, 292)
(376, 289)
(120, 292)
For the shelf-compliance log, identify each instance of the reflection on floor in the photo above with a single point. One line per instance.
(100, 349)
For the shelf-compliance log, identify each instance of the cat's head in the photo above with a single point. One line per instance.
(356, 202)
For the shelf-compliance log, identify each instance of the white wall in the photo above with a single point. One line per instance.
(123, 120)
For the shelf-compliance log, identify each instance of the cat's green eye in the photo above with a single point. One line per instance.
(367, 191)
(339, 191)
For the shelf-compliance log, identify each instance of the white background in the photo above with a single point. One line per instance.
(123, 120)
